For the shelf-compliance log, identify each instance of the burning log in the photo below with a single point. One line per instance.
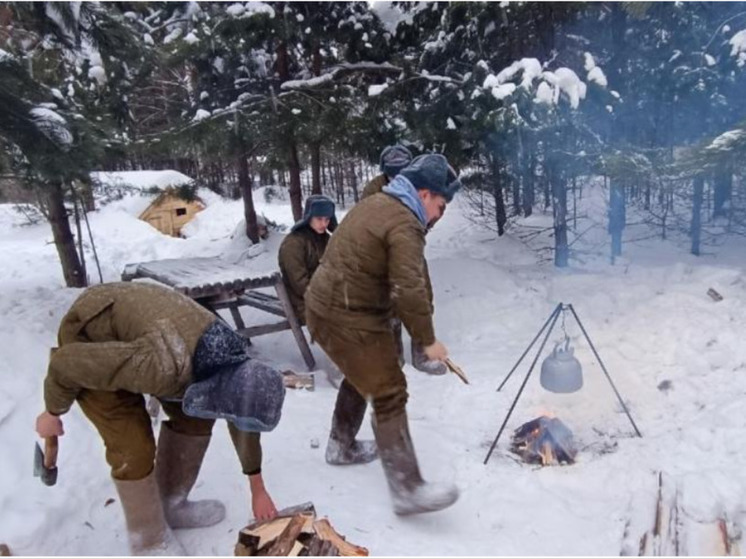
(295, 532)
(544, 440)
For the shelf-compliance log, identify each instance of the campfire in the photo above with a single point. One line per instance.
(544, 440)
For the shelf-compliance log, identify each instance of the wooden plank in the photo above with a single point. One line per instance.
(261, 329)
(267, 306)
(295, 326)
(201, 277)
(237, 319)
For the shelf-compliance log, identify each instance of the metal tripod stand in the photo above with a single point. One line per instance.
(551, 321)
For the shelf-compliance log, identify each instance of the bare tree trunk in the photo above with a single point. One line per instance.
(516, 188)
(88, 201)
(79, 231)
(722, 193)
(72, 270)
(315, 146)
(332, 182)
(617, 216)
(353, 181)
(244, 183)
(340, 184)
(559, 208)
(528, 185)
(497, 193)
(315, 149)
(696, 227)
(296, 196)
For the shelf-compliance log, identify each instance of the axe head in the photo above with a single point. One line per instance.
(48, 475)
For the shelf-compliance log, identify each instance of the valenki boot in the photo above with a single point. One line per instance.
(343, 449)
(409, 492)
(177, 463)
(148, 532)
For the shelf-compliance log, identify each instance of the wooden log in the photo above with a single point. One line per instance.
(325, 531)
(285, 542)
(292, 379)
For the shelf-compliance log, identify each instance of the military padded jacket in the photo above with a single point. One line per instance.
(373, 269)
(144, 335)
(299, 257)
(374, 186)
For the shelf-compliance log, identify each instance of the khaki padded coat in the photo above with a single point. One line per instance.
(144, 335)
(373, 269)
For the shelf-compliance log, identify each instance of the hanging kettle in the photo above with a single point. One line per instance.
(561, 371)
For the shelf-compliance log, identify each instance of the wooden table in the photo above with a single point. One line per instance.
(219, 284)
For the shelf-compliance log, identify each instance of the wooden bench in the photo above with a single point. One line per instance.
(218, 284)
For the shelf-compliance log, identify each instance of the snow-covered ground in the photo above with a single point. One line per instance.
(649, 317)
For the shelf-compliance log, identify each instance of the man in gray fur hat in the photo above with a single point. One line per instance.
(394, 159)
(374, 268)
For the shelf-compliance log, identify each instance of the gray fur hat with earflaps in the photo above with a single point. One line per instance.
(394, 159)
(317, 205)
(432, 172)
(249, 394)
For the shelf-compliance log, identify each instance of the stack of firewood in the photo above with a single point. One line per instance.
(295, 532)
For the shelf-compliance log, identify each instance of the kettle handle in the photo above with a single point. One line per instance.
(558, 346)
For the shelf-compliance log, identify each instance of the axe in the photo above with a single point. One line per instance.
(45, 462)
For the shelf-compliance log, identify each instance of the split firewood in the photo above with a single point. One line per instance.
(455, 369)
(291, 379)
(286, 541)
(325, 531)
(294, 532)
(316, 547)
(4, 550)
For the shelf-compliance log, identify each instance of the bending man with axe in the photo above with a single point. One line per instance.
(373, 269)
(122, 340)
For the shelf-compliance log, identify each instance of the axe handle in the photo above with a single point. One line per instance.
(50, 452)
